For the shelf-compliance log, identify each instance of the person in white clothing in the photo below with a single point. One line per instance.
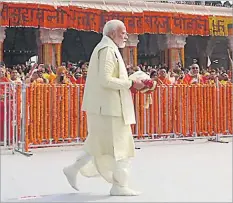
(110, 112)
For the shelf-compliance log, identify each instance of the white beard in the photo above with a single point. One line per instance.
(121, 46)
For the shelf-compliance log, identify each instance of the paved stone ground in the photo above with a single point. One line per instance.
(162, 171)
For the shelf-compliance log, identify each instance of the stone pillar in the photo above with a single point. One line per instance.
(230, 52)
(203, 3)
(161, 42)
(230, 40)
(175, 50)
(230, 37)
(51, 41)
(2, 38)
(130, 52)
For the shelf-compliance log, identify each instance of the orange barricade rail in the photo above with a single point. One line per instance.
(53, 113)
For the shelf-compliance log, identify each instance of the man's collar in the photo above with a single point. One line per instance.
(110, 41)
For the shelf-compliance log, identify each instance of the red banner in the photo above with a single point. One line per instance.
(39, 15)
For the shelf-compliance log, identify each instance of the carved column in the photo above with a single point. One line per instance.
(230, 37)
(230, 43)
(161, 42)
(51, 46)
(230, 40)
(175, 49)
(130, 52)
(2, 38)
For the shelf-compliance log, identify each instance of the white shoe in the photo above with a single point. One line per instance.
(71, 171)
(71, 175)
(123, 191)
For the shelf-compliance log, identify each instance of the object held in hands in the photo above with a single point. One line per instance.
(150, 85)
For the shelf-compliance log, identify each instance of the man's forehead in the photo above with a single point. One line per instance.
(121, 28)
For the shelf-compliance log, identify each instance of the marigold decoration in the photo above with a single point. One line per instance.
(58, 120)
(230, 108)
(156, 112)
(18, 116)
(141, 115)
(71, 109)
(62, 109)
(34, 115)
(80, 112)
(49, 113)
(42, 115)
(66, 109)
(75, 109)
(214, 93)
(45, 101)
(211, 110)
(38, 113)
(54, 112)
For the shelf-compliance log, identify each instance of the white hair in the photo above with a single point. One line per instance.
(111, 26)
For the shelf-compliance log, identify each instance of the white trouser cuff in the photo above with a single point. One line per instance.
(121, 173)
(82, 160)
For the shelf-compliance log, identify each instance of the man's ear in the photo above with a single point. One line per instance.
(112, 35)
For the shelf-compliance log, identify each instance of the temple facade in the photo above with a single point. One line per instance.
(158, 32)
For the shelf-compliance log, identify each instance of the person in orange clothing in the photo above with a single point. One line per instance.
(3, 77)
(80, 77)
(61, 77)
(194, 77)
(162, 77)
(180, 79)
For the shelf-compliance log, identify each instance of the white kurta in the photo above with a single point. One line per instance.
(110, 111)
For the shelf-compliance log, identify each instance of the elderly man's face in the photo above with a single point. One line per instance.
(120, 36)
(195, 69)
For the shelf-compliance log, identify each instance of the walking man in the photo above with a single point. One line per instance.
(110, 112)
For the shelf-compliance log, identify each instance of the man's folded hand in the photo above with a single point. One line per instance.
(138, 85)
(148, 83)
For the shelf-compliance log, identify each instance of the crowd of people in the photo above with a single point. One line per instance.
(191, 75)
(76, 74)
(45, 74)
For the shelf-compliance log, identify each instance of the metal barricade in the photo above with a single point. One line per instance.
(183, 112)
(10, 122)
(39, 115)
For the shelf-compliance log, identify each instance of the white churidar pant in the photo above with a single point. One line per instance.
(109, 142)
